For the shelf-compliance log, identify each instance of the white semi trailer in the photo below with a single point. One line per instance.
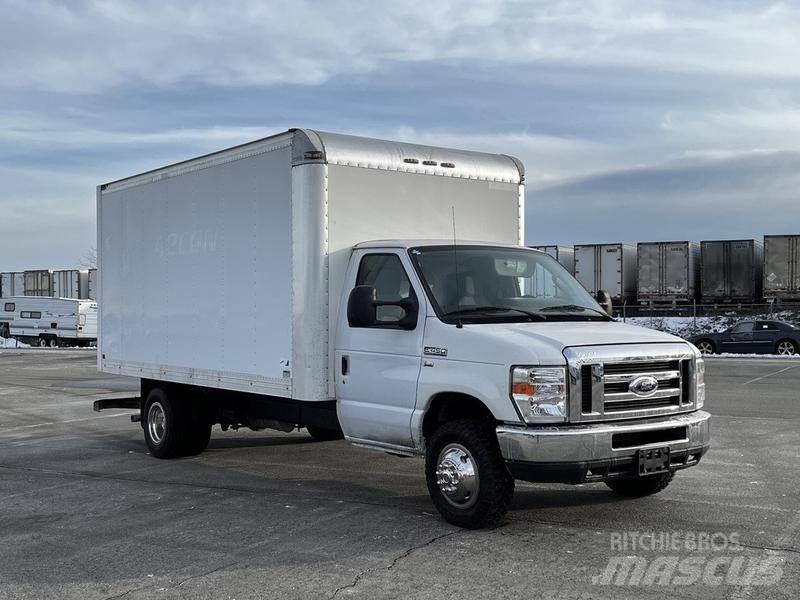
(345, 306)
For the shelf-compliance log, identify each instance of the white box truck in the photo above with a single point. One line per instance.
(49, 322)
(347, 307)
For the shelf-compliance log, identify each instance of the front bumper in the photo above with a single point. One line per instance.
(601, 451)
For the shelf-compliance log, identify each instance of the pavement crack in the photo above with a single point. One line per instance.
(771, 548)
(209, 572)
(405, 554)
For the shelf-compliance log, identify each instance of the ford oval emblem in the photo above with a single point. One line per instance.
(646, 385)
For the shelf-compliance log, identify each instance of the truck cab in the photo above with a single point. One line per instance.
(493, 358)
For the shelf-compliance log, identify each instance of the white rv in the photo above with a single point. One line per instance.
(49, 322)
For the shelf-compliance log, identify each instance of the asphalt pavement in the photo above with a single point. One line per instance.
(86, 512)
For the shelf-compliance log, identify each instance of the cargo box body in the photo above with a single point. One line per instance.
(70, 283)
(730, 270)
(563, 254)
(668, 271)
(38, 283)
(91, 284)
(608, 267)
(12, 284)
(273, 224)
(782, 267)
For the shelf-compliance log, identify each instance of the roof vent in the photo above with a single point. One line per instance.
(411, 161)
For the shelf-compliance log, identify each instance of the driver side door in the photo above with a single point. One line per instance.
(739, 339)
(378, 366)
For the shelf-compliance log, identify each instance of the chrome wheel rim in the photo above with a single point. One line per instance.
(457, 476)
(786, 348)
(156, 421)
(43, 343)
(705, 348)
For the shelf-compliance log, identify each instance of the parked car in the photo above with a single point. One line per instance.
(752, 337)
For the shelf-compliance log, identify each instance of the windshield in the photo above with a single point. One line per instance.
(487, 284)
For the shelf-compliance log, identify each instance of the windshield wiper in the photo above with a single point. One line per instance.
(575, 308)
(494, 309)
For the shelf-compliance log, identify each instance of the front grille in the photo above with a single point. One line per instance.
(586, 389)
(641, 366)
(640, 403)
(625, 382)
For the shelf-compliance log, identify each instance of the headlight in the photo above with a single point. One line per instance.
(700, 381)
(540, 393)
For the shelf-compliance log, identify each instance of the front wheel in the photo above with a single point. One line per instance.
(641, 486)
(467, 477)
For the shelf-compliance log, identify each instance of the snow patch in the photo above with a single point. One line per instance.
(12, 343)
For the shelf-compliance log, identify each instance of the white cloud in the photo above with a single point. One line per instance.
(94, 45)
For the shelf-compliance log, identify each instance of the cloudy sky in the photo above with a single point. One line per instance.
(635, 120)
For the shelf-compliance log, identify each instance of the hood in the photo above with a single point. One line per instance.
(534, 343)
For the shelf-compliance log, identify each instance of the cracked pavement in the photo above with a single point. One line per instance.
(85, 512)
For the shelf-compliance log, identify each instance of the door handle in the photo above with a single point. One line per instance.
(345, 364)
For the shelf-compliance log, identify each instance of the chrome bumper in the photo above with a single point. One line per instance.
(600, 451)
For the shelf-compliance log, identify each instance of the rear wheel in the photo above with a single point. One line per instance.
(786, 348)
(172, 427)
(641, 486)
(53, 343)
(324, 435)
(706, 347)
(467, 477)
(43, 342)
(160, 421)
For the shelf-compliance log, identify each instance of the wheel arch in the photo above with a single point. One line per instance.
(449, 406)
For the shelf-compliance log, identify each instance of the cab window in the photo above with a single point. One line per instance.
(386, 274)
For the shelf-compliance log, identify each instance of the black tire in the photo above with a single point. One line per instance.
(494, 484)
(165, 436)
(184, 430)
(324, 435)
(42, 342)
(641, 486)
(198, 438)
(53, 342)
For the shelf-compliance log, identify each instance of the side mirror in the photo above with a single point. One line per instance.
(362, 310)
(604, 300)
(361, 306)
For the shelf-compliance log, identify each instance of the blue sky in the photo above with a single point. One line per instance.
(635, 120)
